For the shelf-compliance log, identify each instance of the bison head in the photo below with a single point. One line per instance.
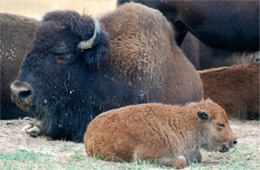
(220, 136)
(58, 72)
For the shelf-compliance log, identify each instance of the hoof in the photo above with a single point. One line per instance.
(33, 129)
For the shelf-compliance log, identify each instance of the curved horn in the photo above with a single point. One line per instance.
(94, 39)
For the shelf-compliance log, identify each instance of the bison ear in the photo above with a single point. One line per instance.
(203, 115)
(93, 40)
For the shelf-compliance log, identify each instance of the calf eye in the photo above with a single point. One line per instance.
(221, 125)
(63, 59)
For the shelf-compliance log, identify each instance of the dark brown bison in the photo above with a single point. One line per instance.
(172, 135)
(79, 67)
(203, 56)
(235, 88)
(16, 34)
(227, 25)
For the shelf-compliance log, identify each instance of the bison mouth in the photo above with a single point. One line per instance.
(224, 148)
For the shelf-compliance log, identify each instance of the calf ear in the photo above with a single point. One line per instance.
(203, 115)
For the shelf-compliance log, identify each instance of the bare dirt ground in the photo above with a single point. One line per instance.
(13, 140)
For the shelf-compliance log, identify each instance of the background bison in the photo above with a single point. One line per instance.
(227, 25)
(79, 67)
(235, 88)
(220, 38)
(203, 56)
(16, 34)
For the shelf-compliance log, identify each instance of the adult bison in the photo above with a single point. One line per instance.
(228, 25)
(79, 67)
(235, 88)
(203, 56)
(16, 34)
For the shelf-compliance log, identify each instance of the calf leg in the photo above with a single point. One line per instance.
(160, 154)
(178, 163)
(198, 158)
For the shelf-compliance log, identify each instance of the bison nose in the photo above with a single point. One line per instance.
(22, 91)
(235, 142)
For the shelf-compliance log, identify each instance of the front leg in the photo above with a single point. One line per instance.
(198, 158)
(78, 134)
(178, 163)
(34, 128)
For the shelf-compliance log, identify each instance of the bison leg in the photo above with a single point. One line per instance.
(78, 137)
(178, 163)
(198, 158)
(146, 153)
(34, 128)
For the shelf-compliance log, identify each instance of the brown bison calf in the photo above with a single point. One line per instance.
(172, 135)
(235, 88)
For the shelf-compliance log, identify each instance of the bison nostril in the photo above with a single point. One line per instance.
(224, 148)
(24, 94)
(21, 90)
(235, 142)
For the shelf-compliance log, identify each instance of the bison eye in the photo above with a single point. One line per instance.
(63, 59)
(221, 125)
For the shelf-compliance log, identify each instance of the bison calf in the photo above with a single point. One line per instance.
(235, 88)
(172, 135)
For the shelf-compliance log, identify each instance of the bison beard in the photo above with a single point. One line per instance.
(126, 63)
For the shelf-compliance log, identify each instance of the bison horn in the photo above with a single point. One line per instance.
(94, 39)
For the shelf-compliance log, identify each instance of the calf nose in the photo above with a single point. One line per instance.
(22, 91)
(235, 142)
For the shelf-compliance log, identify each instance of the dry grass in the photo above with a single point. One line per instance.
(37, 8)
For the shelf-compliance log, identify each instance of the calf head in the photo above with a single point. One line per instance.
(56, 73)
(219, 135)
